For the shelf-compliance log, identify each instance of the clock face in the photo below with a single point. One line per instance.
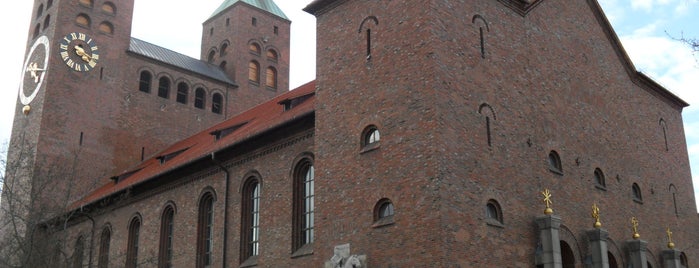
(79, 52)
(35, 70)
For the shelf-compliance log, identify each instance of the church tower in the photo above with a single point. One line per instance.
(249, 40)
(71, 53)
(94, 102)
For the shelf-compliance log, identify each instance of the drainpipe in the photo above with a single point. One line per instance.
(225, 208)
(92, 240)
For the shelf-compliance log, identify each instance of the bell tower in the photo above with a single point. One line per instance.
(72, 53)
(249, 40)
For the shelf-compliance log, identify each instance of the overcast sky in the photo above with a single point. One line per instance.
(645, 28)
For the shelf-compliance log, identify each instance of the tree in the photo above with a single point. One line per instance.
(33, 209)
(692, 43)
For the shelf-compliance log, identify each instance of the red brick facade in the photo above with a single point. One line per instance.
(480, 106)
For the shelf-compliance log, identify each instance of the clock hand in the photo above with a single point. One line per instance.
(33, 68)
(80, 51)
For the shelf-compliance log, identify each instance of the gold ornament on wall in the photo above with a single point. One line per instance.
(547, 200)
(595, 215)
(634, 227)
(670, 244)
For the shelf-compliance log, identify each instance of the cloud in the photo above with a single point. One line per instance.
(648, 5)
(668, 61)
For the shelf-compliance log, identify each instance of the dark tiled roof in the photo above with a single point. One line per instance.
(178, 60)
(242, 127)
(266, 5)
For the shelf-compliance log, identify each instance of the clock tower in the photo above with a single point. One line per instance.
(71, 63)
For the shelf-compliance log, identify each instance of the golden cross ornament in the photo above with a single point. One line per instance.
(547, 200)
(670, 244)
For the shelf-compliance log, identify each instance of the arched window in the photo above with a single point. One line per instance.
(37, 30)
(211, 57)
(145, 81)
(205, 231)
(109, 8)
(304, 205)
(223, 65)
(217, 103)
(166, 234)
(199, 98)
(49, 4)
(272, 55)
(132, 243)
(487, 111)
(255, 48)
(254, 72)
(106, 27)
(555, 165)
(386, 210)
(182, 92)
(250, 242)
(105, 240)
(271, 77)
(636, 190)
(383, 212)
(47, 21)
(370, 137)
(87, 3)
(78, 253)
(366, 27)
(40, 11)
(164, 87)
(493, 212)
(83, 20)
(600, 181)
(224, 49)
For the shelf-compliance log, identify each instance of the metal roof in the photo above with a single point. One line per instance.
(266, 5)
(178, 60)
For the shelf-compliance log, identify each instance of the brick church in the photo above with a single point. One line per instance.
(477, 133)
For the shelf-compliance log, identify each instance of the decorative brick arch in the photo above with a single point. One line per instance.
(363, 27)
(483, 27)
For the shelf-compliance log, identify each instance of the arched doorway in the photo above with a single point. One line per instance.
(567, 256)
(612, 260)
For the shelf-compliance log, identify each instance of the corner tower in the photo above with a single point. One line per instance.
(249, 40)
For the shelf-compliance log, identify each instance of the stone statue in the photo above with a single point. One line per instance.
(343, 259)
(350, 262)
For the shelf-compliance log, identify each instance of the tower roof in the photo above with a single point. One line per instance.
(266, 5)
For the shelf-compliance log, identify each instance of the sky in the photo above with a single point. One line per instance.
(647, 29)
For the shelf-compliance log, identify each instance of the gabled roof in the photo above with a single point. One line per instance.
(249, 124)
(636, 77)
(178, 60)
(266, 5)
